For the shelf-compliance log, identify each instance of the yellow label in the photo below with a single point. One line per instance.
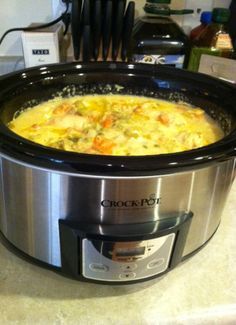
(224, 42)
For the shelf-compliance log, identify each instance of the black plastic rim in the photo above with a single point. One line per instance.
(27, 152)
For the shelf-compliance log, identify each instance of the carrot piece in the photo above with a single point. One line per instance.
(107, 123)
(35, 126)
(61, 109)
(102, 145)
(164, 119)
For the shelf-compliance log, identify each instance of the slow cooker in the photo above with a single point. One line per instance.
(112, 219)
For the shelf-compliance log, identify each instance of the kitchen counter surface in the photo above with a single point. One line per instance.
(201, 290)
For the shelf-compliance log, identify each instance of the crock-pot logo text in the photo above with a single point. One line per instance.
(150, 202)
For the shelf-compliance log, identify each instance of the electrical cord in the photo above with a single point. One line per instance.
(63, 18)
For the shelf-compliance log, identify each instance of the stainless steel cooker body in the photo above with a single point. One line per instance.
(33, 200)
(144, 213)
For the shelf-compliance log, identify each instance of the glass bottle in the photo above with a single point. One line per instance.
(158, 39)
(214, 40)
(205, 20)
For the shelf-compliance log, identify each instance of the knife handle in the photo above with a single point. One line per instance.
(106, 29)
(127, 29)
(117, 30)
(75, 26)
(97, 27)
(86, 54)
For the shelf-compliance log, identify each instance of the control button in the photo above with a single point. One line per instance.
(155, 263)
(128, 267)
(97, 267)
(127, 276)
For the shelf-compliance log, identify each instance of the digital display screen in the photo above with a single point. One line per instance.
(130, 251)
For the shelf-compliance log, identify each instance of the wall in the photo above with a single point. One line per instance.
(20, 13)
(190, 21)
(187, 4)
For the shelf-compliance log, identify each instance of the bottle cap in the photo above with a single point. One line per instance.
(151, 7)
(220, 15)
(206, 17)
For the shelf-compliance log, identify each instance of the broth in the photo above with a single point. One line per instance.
(119, 125)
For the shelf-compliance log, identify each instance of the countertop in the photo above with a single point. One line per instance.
(201, 290)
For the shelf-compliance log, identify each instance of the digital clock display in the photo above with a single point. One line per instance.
(134, 251)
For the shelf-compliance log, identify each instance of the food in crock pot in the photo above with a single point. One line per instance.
(116, 125)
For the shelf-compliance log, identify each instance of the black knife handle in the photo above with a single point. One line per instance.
(86, 31)
(97, 27)
(86, 54)
(106, 29)
(127, 29)
(86, 13)
(118, 26)
(75, 26)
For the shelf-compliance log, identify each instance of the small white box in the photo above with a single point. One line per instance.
(42, 46)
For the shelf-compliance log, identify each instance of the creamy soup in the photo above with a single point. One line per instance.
(116, 125)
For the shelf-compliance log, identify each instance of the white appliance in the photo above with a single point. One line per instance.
(42, 46)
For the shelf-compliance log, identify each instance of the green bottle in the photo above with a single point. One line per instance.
(214, 40)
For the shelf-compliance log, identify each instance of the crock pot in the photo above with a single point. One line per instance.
(112, 219)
